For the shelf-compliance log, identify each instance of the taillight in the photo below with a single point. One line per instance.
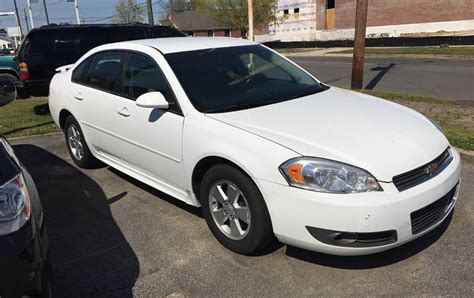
(24, 73)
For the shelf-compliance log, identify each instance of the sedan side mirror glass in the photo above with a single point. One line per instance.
(155, 100)
(7, 92)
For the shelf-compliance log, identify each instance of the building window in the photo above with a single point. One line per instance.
(190, 33)
(286, 12)
(296, 13)
(210, 33)
(331, 4)
(227, 32)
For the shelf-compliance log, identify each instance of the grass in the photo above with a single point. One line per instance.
(31, 116)
(26, 118)
(453, 52)
(456, 121)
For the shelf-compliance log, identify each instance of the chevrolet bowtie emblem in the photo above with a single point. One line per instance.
(431, 169)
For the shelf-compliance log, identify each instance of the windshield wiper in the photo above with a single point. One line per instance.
(241, 106)
(310, 90)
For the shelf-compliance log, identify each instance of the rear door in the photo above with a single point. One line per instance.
(152, 137)
(95, 94)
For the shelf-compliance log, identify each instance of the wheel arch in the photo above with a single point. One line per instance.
(10, 72)
(63, 114)
(205, 163)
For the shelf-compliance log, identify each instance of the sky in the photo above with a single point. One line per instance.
(91, 11)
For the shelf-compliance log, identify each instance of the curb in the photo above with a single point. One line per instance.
(33, 136)
(466, 154)
(411, 56)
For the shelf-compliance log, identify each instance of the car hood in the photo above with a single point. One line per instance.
(379, 136)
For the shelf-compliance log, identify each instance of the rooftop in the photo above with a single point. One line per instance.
(184, 44)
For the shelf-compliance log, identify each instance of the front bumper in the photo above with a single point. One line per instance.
(23, 265)
(293, 210)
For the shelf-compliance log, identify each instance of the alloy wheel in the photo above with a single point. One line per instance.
(75, 142)
(229, 209)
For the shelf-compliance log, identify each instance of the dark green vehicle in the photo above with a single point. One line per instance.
(9, 68)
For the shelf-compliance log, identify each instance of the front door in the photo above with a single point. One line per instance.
(152, 138)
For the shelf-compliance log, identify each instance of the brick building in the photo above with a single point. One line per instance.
(392, 18)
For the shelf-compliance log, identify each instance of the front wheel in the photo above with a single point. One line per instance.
(77, 146)
(235, 210)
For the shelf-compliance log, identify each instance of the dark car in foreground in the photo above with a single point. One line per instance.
(24, 265)
(46, 48)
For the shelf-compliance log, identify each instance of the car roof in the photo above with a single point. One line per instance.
(185, 44)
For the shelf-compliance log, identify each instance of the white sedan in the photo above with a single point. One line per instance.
(265, 149)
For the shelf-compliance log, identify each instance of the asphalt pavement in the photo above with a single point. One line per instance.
(111, 235)
(451, 79)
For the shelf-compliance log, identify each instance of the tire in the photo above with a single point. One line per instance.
(9, 77)
(77, 146)
(255, 231)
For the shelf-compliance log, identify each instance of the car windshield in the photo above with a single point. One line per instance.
(236, 78)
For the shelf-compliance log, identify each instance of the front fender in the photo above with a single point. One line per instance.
(257, 156)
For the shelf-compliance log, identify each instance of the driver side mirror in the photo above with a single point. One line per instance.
(155, 100)
(7, 92)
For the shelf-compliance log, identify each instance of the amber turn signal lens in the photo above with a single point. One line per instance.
(294, 171)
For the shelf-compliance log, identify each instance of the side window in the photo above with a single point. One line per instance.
(104, 71)
(142, 75)
(80, 71)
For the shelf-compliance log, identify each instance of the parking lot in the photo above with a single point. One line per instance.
(111, 235)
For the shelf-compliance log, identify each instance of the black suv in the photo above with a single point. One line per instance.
(45, 49)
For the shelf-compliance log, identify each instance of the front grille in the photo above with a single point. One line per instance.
(425, 217)
(421, 174)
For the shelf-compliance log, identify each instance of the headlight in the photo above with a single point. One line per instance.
(15, 208)
(435, 123)
(327, 176)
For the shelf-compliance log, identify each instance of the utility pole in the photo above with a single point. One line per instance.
(250, 8)
(26, 20)
(359, 45)
(17, 16)
(78, 17)
(150, 12)
(31, 14)
(46, 12)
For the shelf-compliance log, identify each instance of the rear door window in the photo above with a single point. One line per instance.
(104, 71)
(160, 32)
(128, 33)
(79, 72)
(53, 42)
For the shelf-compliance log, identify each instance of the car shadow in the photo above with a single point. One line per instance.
(196, 211)
(89, 254)
(153, 191)
(381, 259)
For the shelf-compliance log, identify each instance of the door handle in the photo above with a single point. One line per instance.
(124, 112)
(79, 96)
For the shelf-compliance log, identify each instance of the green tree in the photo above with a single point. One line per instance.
(234, 13)
(127, 11)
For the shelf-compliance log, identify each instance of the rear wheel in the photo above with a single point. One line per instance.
(77, 146)
(235, 210)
